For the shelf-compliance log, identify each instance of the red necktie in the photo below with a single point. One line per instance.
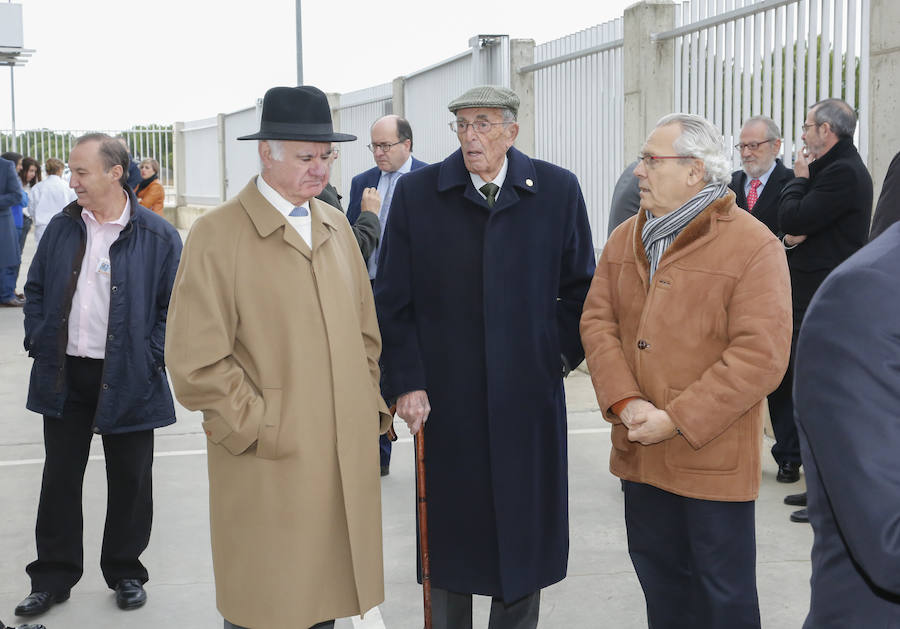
(752, 196)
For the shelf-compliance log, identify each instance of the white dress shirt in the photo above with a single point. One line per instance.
(477, 181)
(89, 315)
(302, 224)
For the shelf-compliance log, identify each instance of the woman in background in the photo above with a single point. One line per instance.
(30, 176)
(150, 192)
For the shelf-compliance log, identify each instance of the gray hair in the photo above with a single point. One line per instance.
(699, 139)
(276, 149)
(838, 114)
(772, 130)
(508, 115)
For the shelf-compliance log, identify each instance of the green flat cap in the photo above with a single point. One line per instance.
(486, 96)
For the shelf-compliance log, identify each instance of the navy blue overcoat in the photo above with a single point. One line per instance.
(480, 308)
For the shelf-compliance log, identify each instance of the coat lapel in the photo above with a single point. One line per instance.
(520, 176)
(267, 220)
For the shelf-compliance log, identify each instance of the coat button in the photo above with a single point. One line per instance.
(105, 386)
(110, 337)
(96, 431)
(642, 344)
(115, 288)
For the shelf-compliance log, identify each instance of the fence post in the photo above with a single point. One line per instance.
(398, 98)
(521, 53)
(883, 138)
(334, 102)
(649, 70)
(178, 150)
(220, 142)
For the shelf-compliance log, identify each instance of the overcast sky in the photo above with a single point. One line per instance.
(104, 64)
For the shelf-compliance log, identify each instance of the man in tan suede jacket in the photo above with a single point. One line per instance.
(686, 329)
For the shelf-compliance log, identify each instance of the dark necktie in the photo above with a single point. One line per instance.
(490, 191)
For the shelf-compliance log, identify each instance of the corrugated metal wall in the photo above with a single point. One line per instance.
(241, 156)
(355, 114)
(579, 115)
(427, 93)
(201, 160)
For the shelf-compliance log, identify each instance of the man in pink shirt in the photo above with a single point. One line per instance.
(97, 299)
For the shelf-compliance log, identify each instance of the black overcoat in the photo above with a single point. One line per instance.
(480, 308)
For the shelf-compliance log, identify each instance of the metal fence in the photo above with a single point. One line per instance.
(739, 58)
(579, 112)
(355, 114)
(42, 144)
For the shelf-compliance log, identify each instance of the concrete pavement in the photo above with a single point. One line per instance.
(600, 591)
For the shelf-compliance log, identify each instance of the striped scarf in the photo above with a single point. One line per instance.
(659, 233)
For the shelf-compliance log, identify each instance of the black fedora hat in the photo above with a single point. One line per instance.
(297, 113)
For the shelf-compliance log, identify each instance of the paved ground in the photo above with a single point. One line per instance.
(600, 591)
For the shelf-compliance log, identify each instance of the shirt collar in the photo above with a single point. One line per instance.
(277, 201)
(405, 168)
(86, 214)
(477, 181)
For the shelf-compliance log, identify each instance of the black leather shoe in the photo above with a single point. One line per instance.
(788, 472)
(130, 594)
(37, 603)
(796, 500)
(800, 516)
(385, 470)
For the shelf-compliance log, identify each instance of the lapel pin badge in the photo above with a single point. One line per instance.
(529, 182)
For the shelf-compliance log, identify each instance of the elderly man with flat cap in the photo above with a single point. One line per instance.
(484, 268)
(272, 334)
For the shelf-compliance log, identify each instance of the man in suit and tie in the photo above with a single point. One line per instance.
(847, 395)
(757, 186)
(372, 192)
(824, 212)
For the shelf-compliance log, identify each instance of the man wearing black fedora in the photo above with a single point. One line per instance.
(288, 383)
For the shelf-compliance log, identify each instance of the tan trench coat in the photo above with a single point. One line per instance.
(278, 346)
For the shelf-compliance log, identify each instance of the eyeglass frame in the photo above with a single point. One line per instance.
(653, 159)
(465, 125)
(752, 145)
(384, 146)
(806, 126)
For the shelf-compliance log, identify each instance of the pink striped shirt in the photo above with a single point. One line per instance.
(89, 315)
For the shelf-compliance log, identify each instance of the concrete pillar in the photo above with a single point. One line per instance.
(884, 89)
(649, 70)
(334, 102)
(398, 98)
(521, 53)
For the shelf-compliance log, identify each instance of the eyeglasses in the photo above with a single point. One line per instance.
(651, 161)
(807, 126)
(751, 145)
(480, 126)
(383, 147)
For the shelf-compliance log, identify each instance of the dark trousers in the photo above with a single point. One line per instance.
(129, 509)
(384, 443)
(695, 559)
(452, 610)
(321, 625)
(781, 410)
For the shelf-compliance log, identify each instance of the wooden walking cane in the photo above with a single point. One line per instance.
(422, 511)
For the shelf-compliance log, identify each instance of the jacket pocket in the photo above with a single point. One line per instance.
(267, 440)
(719, 456)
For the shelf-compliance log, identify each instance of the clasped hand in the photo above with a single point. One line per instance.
(647, 424)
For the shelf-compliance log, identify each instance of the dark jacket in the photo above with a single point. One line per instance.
(135, 393)
(626, 198)
(367, 221)
(476, 306)
(366, 230)
(832, 209)
(887, 212)
(846, 396)
(766, 208)
(10, 195)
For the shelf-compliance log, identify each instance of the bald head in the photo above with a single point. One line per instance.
(391, 142)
